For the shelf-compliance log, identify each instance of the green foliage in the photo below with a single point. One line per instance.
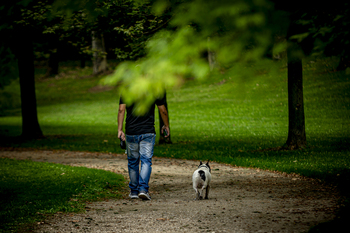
(140, 24)
(31, 191)
(149, 77)
(325, 30)
(125, 23)
(91, 8)
(240, 32)
(126, 26)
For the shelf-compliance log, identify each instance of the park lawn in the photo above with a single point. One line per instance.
(31, 191)
(232, 120)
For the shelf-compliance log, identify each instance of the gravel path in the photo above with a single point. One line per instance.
(240, 200)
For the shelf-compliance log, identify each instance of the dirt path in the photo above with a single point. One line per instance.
(241, 200)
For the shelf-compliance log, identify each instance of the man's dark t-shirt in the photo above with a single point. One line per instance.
(136, 125)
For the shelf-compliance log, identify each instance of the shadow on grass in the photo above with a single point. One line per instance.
(94, 143)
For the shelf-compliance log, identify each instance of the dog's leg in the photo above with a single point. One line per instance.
(201, 193)
(207, 192)
(197, 194)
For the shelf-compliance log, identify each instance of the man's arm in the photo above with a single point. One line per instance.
(164, 114)
(121, 114)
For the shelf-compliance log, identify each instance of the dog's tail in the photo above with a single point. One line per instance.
(202, 174)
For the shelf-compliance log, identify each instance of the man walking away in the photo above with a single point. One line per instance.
(140, 137)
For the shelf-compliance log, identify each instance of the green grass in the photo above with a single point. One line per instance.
(230, 120)
(227, 120)
(31, 191)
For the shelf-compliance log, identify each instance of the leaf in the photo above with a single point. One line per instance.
(160, 6)
(300, 37)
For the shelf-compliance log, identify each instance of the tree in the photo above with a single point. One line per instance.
(296, 130)
(314, 30)
(25, 56)
(27, 24)
(136, 27)
(99, 53)
(32, 19)
(19, 38)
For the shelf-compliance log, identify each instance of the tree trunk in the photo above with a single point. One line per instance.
(25, 55)
(162, 139)
(211, 58)
(99, 56)
(52, 65)
(296, 132)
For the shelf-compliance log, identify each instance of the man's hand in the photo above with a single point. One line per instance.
(121, 135)
(166, 127)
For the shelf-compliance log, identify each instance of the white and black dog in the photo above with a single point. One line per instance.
(201, 180)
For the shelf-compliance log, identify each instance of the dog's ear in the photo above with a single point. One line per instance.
(208, 166)
(200, 163)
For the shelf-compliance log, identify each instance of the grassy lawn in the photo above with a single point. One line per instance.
(231, 120)
(30, 191)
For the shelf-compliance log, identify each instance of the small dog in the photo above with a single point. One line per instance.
(201, 180)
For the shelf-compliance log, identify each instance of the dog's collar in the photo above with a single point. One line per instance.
(203, 166)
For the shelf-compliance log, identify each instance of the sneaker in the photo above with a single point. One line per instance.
(144, 196)
(133, 196)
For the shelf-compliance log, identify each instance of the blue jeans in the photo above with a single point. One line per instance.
(140, 148)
